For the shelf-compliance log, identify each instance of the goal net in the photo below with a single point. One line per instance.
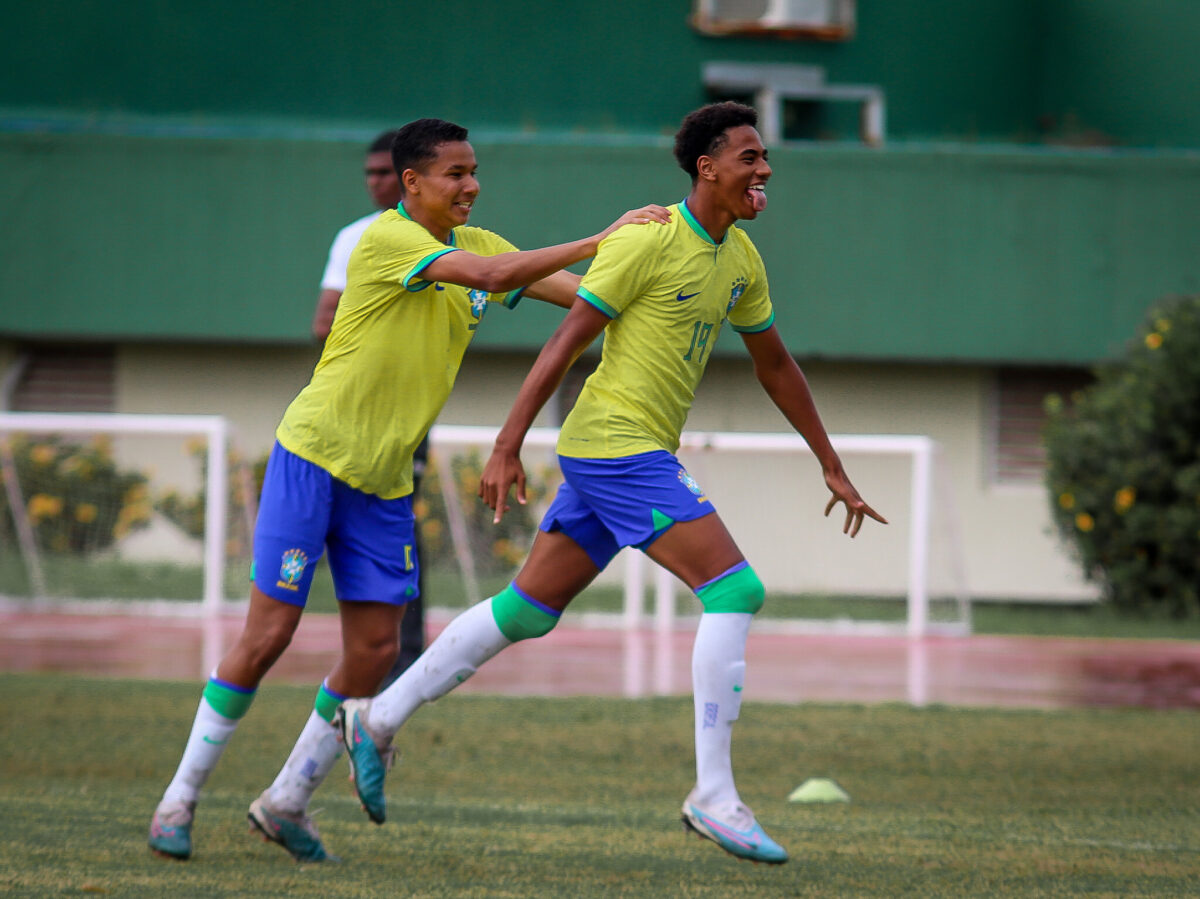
(906, 578)
(100, 510)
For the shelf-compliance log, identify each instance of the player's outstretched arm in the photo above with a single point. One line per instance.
(508, 271)
(558, 289)
(581, 326)
(785, 383)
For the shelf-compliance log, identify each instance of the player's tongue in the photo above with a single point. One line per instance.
(758, 199)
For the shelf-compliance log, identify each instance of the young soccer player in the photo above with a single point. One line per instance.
(660, 295)
(340, 474)
(383, 187)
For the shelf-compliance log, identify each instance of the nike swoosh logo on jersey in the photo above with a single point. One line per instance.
(680, 297)
(438, 287)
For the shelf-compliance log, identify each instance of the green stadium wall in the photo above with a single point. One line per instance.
(909, 253)
(985, 70)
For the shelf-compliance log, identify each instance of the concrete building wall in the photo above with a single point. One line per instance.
(772, 504)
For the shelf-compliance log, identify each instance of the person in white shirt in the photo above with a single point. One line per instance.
(384, 189)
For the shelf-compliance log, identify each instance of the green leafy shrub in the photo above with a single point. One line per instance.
(75, 497)
(1124, 467)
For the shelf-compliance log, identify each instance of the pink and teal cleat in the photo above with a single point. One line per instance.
(294, 831)
(733, 827)
(171, 829)
(368, 764)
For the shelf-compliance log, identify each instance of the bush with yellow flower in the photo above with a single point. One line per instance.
(72, 494)
(1124, 467)
(495, 548)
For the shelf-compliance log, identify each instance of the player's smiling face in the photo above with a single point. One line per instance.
(441, 195)
(741, 172)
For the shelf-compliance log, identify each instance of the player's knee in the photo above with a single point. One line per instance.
(382, 654)
(737, 590)
(521, 617)
(262, 647)
(372, 655)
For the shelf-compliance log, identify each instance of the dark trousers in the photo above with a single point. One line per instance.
(412, 625)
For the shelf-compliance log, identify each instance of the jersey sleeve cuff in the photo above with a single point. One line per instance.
(513, 297)
(413, 281)
(755, 329)
(587, 296)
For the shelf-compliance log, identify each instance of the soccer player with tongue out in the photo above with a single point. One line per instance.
(660, 294)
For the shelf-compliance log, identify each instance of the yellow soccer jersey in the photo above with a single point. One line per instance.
(391, 357)
(668, 289)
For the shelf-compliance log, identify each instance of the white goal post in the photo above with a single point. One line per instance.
(215, 432)
(897, 559)
(921, 451)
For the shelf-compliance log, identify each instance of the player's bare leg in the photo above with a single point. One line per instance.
(269, 628)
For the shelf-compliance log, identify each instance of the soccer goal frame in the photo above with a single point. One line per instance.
(215, 431)
(927, 481)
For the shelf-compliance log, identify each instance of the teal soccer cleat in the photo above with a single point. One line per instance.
(735, 830)
(368, 764)
(294, 831)
(171, 829)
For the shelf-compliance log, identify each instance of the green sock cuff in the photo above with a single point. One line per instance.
(226, 699)
(737, 591)
(326, 704)
(519, 617)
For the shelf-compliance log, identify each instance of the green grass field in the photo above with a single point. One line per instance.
(507, 797)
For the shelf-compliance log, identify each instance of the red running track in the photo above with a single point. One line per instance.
(1032, 672)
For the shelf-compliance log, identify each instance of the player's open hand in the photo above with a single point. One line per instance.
(642, 216)
(844, 492)
(503, 470)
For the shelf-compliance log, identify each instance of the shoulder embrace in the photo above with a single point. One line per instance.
(650, 234)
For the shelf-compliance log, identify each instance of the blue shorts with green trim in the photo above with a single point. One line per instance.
(305, 511)
(605, 504)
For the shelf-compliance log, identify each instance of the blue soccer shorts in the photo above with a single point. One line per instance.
(305, 511)
(605, 504)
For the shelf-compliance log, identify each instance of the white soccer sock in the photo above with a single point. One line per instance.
(718, 672)
(316, 749)
(210, 734)
(467, 642)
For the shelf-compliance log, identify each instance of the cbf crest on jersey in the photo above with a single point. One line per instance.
(735, 292)
(479, 300)
(291, 569)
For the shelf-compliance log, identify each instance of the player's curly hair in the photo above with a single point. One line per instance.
(703, 132)
(416, 144)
